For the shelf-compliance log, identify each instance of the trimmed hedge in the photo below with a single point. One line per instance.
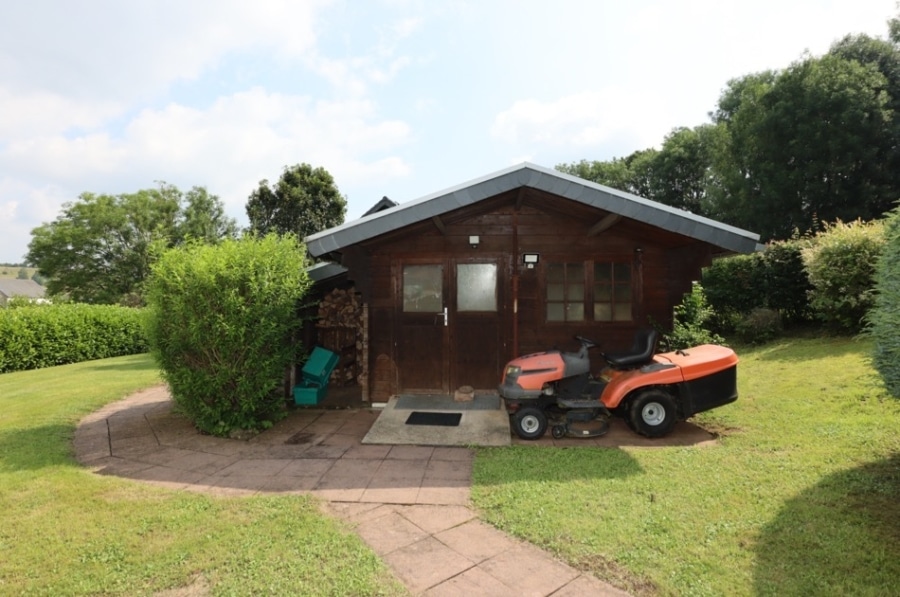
(884, 317)
(840, 263)
(32, 337)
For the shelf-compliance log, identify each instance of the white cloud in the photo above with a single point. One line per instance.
(581, 119)
(239, 140)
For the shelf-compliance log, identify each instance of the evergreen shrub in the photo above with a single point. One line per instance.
(221, 325)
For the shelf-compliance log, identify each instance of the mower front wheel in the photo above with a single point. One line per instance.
(529, 423)
(653, 413)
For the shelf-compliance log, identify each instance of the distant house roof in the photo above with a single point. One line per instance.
(24, 288)
(544, 179)
(382, 205)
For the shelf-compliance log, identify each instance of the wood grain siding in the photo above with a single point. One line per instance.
(560, 231)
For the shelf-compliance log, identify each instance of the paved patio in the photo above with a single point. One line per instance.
(410, 504)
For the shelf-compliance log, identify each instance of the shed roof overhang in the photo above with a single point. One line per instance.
(725, 237)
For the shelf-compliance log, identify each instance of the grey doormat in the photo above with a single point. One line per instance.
(418, 417)
(477, 426)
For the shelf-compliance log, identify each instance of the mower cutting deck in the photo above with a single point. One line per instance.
(650, 391)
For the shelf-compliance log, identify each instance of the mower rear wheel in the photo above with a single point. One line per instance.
(653, 413)
(529, 423)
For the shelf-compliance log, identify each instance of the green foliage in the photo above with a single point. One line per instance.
(36, 336)
(22, 275)
(759, 326)
(840, 262)
(675, 175)
(305, 200)
(690, 324)
(100, 248)
(884, 317)
(221, 325)
(773, 279)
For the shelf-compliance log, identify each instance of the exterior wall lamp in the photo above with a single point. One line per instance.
(530, 259)
(474, 241)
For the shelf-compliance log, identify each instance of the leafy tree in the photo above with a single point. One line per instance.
(675, 175)
(884, 318)
(304, 201)
(100, 248)
(221, 326)
(805, 145)
(203, 218)
(23, 274)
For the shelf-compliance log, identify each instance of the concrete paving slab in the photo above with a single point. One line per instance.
(410, 503)
(485, 427)
(474, 582)
(389, 533)
(475, 540)
(426, 564)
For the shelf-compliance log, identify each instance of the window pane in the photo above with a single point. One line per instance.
(623, 293)
(476, 287)
(556, 273)
(622, 272)
(602, 312)
(575, 272)
(602, 271)
(556, 312)
(555, 292)
(602, 293)
(575, 292)
(575, 312)
(622, 312)
(423, 288)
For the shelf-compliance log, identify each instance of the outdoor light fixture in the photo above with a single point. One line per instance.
(529, 259)
(473, 241)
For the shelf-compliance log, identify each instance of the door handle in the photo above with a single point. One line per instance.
(445, 317)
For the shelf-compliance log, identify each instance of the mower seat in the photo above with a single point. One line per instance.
(642, 351)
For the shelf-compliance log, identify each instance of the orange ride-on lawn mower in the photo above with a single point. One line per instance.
(650, 391)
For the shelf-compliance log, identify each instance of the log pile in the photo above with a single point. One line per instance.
(340, 309)
(341, 326)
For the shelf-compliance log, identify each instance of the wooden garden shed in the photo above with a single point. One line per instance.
(449, 287)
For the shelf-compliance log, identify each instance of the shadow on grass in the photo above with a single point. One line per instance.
(800, 350)
(145, 363)
(840, 537)
(35, 448)
(498, 466)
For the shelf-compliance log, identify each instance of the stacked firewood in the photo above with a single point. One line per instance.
(340, 308)
(341, 330)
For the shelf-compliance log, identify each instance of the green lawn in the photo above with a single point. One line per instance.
(801, 497)
(66, 531)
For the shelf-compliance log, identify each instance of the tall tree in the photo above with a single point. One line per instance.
(100, 248)
(806, 147)
(203, 218)
(305, 200)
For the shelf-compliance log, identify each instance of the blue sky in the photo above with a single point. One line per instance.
(393, 97)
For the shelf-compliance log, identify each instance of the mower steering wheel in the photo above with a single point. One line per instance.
(585, 342)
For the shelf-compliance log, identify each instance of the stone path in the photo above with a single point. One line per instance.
(410, 504)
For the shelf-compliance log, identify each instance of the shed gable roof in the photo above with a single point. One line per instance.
(24, 288)
(544, 179)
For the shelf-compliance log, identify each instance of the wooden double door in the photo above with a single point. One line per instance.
(449, 317)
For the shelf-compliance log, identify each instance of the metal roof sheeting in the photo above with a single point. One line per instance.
(543, 179)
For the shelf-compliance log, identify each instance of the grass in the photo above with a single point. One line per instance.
(66, 531)
(800, 497)
(8, 271)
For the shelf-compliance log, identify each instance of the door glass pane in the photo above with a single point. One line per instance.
(555, 292)
(476, 287)
(423, 288)
(575, 312)
(556, 312)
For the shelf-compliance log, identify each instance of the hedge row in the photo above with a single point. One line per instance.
(32, 337)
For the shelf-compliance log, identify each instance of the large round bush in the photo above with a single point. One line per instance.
(221, 321)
